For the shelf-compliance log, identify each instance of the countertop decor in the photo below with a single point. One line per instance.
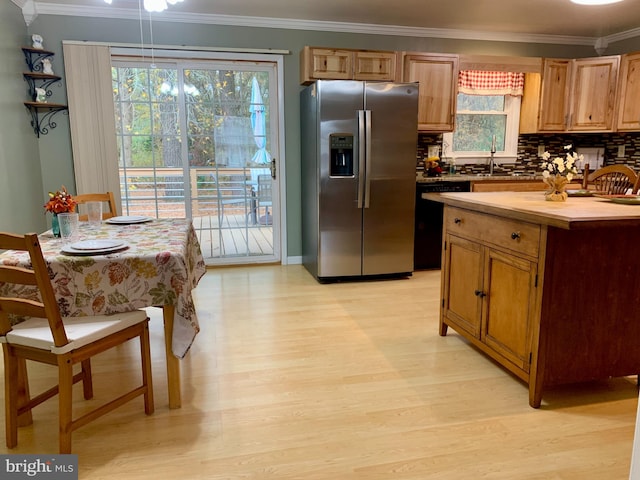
(558, 172)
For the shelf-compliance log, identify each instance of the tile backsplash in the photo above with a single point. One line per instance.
(528, 160)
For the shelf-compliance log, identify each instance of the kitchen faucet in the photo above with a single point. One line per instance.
(493, 152)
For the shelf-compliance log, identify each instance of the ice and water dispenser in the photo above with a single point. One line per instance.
(341, 160)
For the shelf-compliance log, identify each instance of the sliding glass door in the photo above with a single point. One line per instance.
(199, 139)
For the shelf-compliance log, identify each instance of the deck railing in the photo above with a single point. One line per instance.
(161, 191)
(223, 206)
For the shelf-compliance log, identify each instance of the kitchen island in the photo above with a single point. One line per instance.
(549, 290)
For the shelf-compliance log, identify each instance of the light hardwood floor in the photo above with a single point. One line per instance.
(290, 379)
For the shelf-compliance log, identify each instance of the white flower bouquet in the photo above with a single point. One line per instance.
(564, 166)
(558, 171)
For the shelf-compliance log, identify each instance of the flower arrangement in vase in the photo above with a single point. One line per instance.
(558, 172)
(60, 201)
(432, 167)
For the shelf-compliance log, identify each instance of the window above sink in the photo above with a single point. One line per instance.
(478, 119)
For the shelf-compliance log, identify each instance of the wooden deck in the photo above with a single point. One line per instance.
(234, 237)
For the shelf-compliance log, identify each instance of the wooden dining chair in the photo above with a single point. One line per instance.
(45, 336)
(106, 198)
(612, 179)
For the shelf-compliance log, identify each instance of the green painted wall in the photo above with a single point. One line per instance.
(55, 148)
(21, 197)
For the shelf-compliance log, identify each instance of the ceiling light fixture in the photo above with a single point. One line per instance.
(155, 5)
(595, 2)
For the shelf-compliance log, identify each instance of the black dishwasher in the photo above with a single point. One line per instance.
(428, 229)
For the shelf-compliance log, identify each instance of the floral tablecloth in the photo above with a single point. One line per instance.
(162, 266)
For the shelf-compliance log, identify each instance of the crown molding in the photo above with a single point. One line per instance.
(29, 10)
(294, 24)
(616, 37)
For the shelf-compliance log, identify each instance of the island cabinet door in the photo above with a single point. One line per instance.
(509, 305)
(462, 302)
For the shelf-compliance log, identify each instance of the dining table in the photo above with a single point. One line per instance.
(128, 263)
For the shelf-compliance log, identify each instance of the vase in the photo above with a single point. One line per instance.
(55, 225)
(557, 185)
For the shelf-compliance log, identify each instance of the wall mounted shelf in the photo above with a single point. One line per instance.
(41, 80)
(42, 116)
(42, 113)
(34, 57)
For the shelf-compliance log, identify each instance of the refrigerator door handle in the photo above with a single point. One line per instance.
(367, 185)
(362, 141)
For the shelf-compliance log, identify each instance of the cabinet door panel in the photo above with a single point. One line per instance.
(331, 64)
(594, 93)
(375, 66)
(629, 107)
(510, 290)
(554, 101)
(438, 79)
(463, 266)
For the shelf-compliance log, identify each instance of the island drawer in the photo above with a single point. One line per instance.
(515, 235)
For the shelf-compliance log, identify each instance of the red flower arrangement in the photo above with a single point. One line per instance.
(432, 164)
(60, 202)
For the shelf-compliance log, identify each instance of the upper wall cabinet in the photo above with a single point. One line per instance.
(629, 93)
(330, 64)
(437, 75)
(553, 109)
(578, 95)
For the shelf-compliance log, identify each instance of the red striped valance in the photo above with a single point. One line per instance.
(477, 82)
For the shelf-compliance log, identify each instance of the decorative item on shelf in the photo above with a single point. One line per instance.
(41, 95)
(432, 167)
(46, 67)
(37, 41)
(558, 172)
(60, 201)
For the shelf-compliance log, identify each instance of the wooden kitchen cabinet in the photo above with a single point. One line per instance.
(593, 98)
(554, 96)
(437, 75)
(343, 64)
(374, 65)
(578, 95)
(629, 93)
(523, 282)
(489, 284)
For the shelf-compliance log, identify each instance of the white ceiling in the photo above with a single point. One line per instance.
(558, 21)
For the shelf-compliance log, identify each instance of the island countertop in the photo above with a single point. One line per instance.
(575, 212)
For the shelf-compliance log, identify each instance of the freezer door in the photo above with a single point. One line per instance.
(339, 218)
(388, 216)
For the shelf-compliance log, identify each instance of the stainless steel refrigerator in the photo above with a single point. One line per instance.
(358, 147)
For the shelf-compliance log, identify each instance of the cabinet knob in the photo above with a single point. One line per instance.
(480, 293)
(457, 220)
(515, 235)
